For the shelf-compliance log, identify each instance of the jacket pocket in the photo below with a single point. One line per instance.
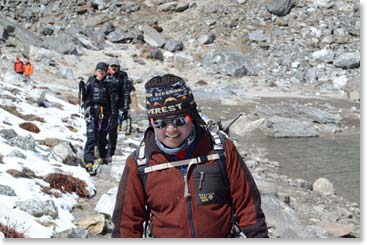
(210, 186)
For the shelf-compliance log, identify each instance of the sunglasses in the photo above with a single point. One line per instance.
(100, 70)
(178, 122)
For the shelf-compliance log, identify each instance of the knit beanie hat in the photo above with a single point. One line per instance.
(168, 95)
(102, 66)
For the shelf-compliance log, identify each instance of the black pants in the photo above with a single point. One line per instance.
(112, 138)
(96, 136)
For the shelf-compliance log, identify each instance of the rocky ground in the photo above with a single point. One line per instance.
(289, 65)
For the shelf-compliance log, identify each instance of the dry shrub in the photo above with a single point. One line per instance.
(201, 82)
(25, 173)
(73, 100)
(50, 192)
(28, 117)
(67, 183)
(30, 127)
(10, 232)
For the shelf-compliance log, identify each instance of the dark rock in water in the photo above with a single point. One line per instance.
(287, 127)
(8, 133)
(280, 7)
(7, 191)
(232, 63)
(299, 112)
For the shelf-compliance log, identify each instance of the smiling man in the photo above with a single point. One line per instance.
(185, 179)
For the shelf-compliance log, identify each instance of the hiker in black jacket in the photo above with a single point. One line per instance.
(119, 80)
(100, 107)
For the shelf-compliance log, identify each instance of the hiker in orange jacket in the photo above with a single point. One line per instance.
(28, 69)
(19, 66)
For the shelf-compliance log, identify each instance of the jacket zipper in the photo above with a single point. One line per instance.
(189, 208)
(188, 202)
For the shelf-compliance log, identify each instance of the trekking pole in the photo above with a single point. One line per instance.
(226, 130)
(81, 92)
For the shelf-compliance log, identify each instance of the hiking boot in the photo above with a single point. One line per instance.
(89, 167)
(100, 160)
(108, 159)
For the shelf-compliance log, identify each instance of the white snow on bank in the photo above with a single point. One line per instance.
(58, 117)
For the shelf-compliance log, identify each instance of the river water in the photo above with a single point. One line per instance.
(335, 157)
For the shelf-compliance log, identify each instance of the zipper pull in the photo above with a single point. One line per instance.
(201, 180)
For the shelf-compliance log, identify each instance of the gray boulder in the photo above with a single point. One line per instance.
(152, 36)
(78, 232)
(107, 28)
(206, 39)
(181, 7)
(232, 63)
(16, 153)
(172, 45)
(324, 186)
(7, 191)
(120, 36)
(282, 221)
(3, 33)
(259, 36)
(46, 30)
(280, 127)
(25, 37)
(65, 153)
(25, 143)
(325, 55)
(38, 208)
(62, 43)
(106, 203)
(280, 7)
(348, 60)
(8, 133)
(67, 73)
(165, 7)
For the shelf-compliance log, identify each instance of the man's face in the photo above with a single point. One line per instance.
(172, 131)
(100, 74)
(114, 68)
